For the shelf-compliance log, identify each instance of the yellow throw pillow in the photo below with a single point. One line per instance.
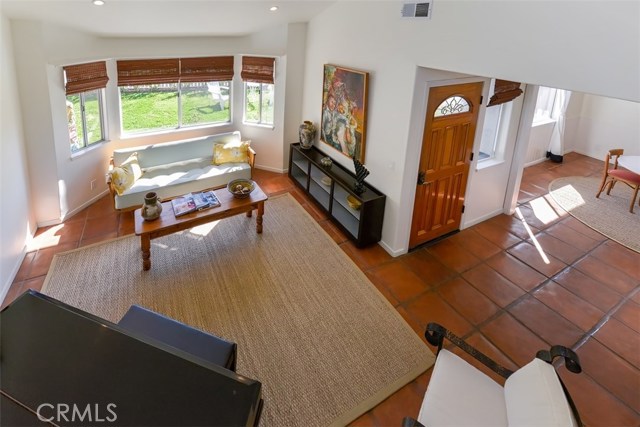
(123, 176)
(231, 152)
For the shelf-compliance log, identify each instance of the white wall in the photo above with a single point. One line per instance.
(16, 218)
(607, 123)
(546, 43)
(42, 50)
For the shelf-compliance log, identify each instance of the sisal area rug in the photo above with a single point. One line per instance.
(325, 344)
(608, 215)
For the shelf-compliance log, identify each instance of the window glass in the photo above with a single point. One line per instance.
(452, 105)
(490, 132)
(258, 103)
(149, 107)
(156, 107)
(85, 119)
(545, 104)
(205, 103)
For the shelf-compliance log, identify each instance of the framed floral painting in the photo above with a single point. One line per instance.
(344, 110)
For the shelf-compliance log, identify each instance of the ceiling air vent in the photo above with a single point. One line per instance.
(416, 10)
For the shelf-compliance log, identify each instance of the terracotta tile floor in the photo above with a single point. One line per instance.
(487, 283)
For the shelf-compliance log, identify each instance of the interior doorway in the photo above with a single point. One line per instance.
(445, 158)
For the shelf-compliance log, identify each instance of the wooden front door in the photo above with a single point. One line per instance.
(447, 148)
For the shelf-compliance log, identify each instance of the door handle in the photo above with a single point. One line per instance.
(421, 176)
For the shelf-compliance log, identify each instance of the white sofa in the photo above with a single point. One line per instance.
(174, 168)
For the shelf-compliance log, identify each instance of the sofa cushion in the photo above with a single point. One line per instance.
(169, 152)
(177, 182)
(125, 175)
(460, 395)
(231, 152)
(534, 397)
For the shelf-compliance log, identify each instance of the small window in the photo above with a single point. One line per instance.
(452, 105)
(85, 119)
(84, 86)
(490, 133)
(258, 103)
(258, 74)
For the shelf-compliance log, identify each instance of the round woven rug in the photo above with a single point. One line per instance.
(608, 215)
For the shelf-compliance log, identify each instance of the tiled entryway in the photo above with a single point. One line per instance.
(487, 283)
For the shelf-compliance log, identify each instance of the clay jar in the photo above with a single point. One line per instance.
(152, 207)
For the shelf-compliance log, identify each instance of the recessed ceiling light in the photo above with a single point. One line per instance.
(273, 8)
(98, 2)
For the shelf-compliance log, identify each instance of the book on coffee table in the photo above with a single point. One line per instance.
(194, 202)
(210, 198)
(183, 205)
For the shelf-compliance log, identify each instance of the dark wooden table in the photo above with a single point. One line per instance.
(168, 223)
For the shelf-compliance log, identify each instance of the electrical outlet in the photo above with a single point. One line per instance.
(93, 184)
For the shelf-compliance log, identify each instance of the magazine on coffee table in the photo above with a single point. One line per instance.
(192, 202)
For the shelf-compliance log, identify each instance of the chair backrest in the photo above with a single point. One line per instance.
(615, 153)
(534, 397)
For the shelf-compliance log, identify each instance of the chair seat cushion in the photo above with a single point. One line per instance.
(625, 175)
(534, 397)
(460, 395)
(181, 336)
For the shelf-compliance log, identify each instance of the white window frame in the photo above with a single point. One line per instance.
(103, 122)
(260, 121)
(180, 125)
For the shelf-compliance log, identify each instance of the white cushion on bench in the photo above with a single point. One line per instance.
(460, 395)
(534, 397)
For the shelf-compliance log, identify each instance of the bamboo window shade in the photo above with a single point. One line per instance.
(258, 69)
(85, 77)
(148, 71)
(505, 91)
(211, 69)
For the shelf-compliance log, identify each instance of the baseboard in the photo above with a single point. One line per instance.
(534, 162)
(481, 219)
(270, 169)
(393, 252)
(14, 271)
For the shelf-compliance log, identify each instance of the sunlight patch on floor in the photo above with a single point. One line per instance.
(46, 239)
(535, 242)
(543, 210)
(204, 229)
(571, 198)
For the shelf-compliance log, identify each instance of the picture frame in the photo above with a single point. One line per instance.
(344, 110)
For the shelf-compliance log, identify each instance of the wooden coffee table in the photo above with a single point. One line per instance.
(169, 224)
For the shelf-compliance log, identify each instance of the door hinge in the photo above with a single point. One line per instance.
(471, 157)
(462, 208)
(481, 99)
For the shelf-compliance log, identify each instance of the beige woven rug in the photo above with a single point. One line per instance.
(608, 215)
(309, 325)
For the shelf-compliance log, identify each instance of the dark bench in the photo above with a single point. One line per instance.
(181, 336)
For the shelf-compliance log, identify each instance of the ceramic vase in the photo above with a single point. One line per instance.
(307, 134)
(152, 207)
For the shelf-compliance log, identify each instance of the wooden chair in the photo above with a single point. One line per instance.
(613, 175)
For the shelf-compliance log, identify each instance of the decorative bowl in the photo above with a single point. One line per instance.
(326, 162)
(353, 202)
(241, 188)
